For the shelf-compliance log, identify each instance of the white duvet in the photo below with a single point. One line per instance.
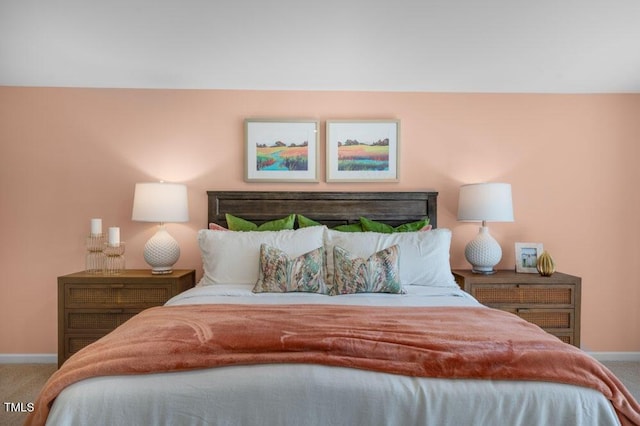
(294, 394)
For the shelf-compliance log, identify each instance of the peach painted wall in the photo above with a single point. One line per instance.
(67, 155)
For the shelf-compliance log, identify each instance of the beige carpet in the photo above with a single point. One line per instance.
(20, 383)
(629, 373)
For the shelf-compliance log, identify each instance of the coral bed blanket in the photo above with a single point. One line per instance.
(451, 342)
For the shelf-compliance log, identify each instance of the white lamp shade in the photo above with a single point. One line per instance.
(160, 202)
(485, 202)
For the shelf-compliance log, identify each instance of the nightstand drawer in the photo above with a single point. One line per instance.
(556, 319)
(73, 343)
(106, 320)
(566, 337)
(116, 295)
(517, 294)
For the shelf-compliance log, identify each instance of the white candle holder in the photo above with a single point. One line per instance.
(94, 259)
(113, 259)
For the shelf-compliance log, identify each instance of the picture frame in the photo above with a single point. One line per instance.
(362, 150)
(281, 150)
(527, 255)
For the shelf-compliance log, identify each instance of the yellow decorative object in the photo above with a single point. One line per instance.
(545, 265)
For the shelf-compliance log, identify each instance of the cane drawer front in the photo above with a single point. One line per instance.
(92, 320)
(525, 295)
(550, 319)
(117, 295)
(74, 342)
(568, 337)
(559, 322)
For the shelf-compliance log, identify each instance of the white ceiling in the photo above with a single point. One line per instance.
(547, 46)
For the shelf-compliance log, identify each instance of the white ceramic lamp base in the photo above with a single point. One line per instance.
(483, 252)
(161, 252)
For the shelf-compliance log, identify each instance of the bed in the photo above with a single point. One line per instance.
(318, 326)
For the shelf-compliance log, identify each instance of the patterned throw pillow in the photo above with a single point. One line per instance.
(377, 274)
(280, 274)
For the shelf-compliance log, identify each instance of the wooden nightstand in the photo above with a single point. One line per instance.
(553, 303)
(92, 305)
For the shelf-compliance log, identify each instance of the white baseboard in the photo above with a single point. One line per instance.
(616, 356)
(28, 358)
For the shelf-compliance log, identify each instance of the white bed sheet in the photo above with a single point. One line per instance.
(294, 394)
(241, 293)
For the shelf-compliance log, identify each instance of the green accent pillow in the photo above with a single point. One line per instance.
(373, 226)
(352, 227)
(377, 274)
(304, 222)
(238, 224)
(280, 274)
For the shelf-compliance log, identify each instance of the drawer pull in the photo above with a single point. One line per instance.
(116, 285)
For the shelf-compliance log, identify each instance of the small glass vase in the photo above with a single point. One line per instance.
(113, 259)
(94, 259)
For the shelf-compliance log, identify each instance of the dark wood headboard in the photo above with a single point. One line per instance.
(329, 208)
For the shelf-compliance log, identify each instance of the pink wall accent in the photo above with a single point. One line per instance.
(67, 155)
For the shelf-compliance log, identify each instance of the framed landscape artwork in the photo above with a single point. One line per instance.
(363, 150)
(281, 150)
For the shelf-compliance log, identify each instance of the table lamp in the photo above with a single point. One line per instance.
(161, 202)
(485, 202)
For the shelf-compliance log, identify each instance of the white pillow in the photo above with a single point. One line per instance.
(230, 257)
(424, 256)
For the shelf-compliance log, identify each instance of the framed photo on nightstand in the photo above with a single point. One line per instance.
(527, 257)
